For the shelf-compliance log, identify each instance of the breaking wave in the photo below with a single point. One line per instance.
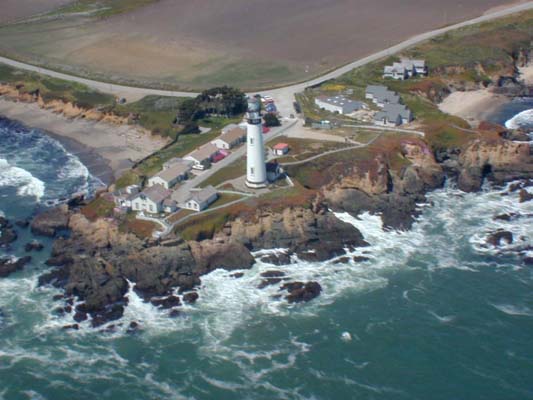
(25, 183)
(523, 120)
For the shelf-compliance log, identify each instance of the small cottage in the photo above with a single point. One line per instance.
(150, 200)
(201, 199)
(170, 176)
(280, 149)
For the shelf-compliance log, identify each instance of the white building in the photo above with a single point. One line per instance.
(150, 199)
(201, 199)
(170, 176)
(256, 176)
(339, 104)
(230, 138)
(406, 68)
(203, 155)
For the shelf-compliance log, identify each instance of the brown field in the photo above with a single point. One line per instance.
(16, 9)
(194, 44)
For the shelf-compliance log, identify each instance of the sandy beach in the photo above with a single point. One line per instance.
(118, 146)
(473, 106)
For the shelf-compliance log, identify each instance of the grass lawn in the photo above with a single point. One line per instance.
(232, 171)
(300, 149)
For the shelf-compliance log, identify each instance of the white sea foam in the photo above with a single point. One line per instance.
(515, 310)
(24, 181)
(521, 120)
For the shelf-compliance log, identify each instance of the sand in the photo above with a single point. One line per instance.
(526, 74)
(473, 106)
(118, 146)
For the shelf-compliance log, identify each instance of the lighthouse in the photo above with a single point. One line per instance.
(256, 175)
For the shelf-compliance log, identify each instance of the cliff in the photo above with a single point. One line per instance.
(96, 263)
(390, 190)
(67, 109)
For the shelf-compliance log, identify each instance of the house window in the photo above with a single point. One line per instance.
(151, 208)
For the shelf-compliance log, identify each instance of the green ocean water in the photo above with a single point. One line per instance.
(435, 313)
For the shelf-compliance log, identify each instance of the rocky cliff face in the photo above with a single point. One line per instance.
(392, 192)
(67, 109)
(313, 234)
(500, 161)
(96, 263)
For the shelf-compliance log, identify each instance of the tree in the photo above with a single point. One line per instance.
(271, 120)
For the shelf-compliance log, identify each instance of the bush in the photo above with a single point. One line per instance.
(271, 120)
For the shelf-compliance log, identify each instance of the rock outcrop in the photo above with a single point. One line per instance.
(500, 161)
(98, 264)
(392, 192)
(50, 222)
(11, 265)
(7, 234)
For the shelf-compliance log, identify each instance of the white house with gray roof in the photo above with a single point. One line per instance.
(393, 115)
(150, 200)
(201, 199)
(339, 104)
(406, 68)
(170, 176)
(381, 95)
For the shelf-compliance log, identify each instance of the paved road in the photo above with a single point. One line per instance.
(284, 96)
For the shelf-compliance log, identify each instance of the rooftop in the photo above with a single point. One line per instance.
(174, 171)
(280, 146)
(340, 101)
(156, 193)
(204, 152)
(232, 135)
(203, 195)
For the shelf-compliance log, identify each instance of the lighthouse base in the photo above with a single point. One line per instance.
(256, 185)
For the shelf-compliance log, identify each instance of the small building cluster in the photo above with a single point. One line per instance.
(405, 69)
(393, 112)
(339, 104)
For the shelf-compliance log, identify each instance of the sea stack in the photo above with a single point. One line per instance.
(256, 176)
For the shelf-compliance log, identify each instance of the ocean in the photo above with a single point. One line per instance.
(435, 313)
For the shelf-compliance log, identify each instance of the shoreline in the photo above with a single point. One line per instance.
(106, 150)
(473, 106)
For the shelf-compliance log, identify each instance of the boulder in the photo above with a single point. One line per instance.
(34, 245)
(49, 222)
(110, 313)
(497, 237)
(11, 265)
(210, 255)
(190, 298)
(524, 196)
(302, 292)
(166, 302)
(7, 233)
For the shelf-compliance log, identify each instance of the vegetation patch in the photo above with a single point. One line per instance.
(98, 208)
(140, 228)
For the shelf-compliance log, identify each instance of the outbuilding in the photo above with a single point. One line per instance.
(280, 149)
(170, 176)
(203, 155)
(150, 199)
(201, 199)
(230, 139)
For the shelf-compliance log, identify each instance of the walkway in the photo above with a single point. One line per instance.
(327, 153)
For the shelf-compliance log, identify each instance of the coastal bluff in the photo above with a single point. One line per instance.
(98, 264)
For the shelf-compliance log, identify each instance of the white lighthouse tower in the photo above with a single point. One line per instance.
(256, 176)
